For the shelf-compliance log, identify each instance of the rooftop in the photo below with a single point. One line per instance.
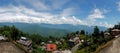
(115, 30)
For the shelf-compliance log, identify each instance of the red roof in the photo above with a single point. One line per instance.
(51, 47)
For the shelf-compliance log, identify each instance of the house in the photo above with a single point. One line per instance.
(43, 45)
(62, 51)
(115, 32)
(106, 34)
(2, 38)
(66, 51)
(62, 39)
(76, 40)
(51, 47)
(50, 41)
(25, 42)
(58, 42)
(71, 43)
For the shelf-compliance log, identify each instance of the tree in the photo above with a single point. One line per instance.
(7, 34)
(96, 32)
(14, 33)
(52, 38)
(102, 34)
(77, 32)
(36, 38)
(82, 32)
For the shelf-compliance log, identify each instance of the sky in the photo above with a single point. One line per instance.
(76, 12)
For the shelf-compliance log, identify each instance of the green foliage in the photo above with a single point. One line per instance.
(77, 32)
(14, 33)
(96, 32)
(117, 26)
(7, 34)
(64, 45)
(11, 32)
(95, 40)
(36, 49)
(82, 32)
(36, 38)
(93, 47)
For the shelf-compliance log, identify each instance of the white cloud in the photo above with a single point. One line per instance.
(106, 24)
(24, 15)
(96, 14)
(91, 22)
(44, 4)
(118, 3)
(36, 4)
(57, 4)
(67, 11)
(39, 5)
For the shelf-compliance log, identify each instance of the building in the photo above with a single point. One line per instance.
(71, 43)
(106, 34)
(43, 45)
(51, 47)
(66, 51)
(2, 38)
(25, 42)
(62, 51)
(115, 32)
(76, 40)
(58, 42)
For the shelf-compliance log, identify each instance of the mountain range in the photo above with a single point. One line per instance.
(57, 30)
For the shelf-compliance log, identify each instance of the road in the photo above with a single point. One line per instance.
(113, 48)
(75, 48)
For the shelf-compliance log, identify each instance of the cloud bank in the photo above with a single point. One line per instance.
(22, 14)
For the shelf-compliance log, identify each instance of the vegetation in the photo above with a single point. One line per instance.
(90, 44)
(97, 40)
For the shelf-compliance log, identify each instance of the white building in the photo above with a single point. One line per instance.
(2, 38)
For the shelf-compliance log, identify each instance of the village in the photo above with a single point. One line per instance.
(57, 46)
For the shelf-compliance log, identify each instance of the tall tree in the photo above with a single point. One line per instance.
(77, 32)
(82, 32)
(117, 26)
(14, 32)
(96, 31)
(102, 34)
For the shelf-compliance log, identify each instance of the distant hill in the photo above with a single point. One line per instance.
(56, 30)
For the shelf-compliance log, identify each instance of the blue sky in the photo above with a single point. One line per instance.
(76, 12)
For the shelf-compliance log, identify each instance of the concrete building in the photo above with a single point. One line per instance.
(25, 42)
(115, 32)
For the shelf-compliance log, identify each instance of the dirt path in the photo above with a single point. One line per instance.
(8, 47)
(113, 48)
(75, 48)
